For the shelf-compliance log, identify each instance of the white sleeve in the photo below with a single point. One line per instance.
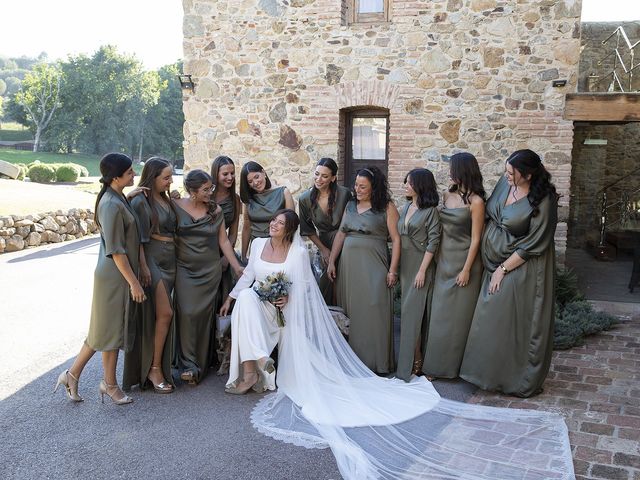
(249, 274)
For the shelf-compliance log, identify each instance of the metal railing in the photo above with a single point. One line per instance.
(622, 211)
(622, 72)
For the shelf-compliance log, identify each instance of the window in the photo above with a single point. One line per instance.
(367, 11)
(366, 142)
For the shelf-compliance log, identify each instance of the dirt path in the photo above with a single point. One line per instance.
(24, 198)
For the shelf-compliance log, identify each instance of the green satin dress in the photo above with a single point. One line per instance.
(418, 235)
(161, 260)
(511, 338)
(453, 306)
(198, 276)
(113, 311)
(261, 208)
(314, 220)
(362, 287)
(228, 278)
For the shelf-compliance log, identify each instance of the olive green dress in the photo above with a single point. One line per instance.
(453, 306)
(228, 278)
(362, 287)
(113, 311)
(261, 208)
(419, 235)
(197, 280)
(314, 220)
(161, 260)
(511, 338)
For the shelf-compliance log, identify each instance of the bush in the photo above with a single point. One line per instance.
(576, 320)
(23, 171)
(67, 173)
(567, 287)
(41, 173)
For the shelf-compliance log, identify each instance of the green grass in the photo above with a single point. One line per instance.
(14, 132)
(92, 162)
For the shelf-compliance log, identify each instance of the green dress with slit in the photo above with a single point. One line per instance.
(198, 276)
(511, 338)
(362, 287)
(261, 209)
(314, 220)
(113, 311)
(453, 306)
(161, 260)
(418, 235)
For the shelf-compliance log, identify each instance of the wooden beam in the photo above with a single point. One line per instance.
(603, 107)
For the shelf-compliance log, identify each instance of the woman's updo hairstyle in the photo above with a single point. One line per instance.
(528, 162)
(112, 166)
(196, 179)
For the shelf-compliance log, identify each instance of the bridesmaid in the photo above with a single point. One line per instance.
(261, 201)
(365, 285)
(321, 209)
(150, 359)
(200, 238)
(419, 227)
(459, 269)
(115, 282)
(511, 337)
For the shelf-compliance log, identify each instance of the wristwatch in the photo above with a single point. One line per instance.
(504, 269)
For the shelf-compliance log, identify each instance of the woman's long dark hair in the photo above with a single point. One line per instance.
(153, 169)
(221, 161)
(333, 187)
(466, 176)
(424, 184)
(112, 165)
(246, 192)
(291, 223)
(528, 162)
(194, 180)
(380, 194)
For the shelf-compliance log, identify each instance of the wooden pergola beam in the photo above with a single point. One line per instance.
(602, 107)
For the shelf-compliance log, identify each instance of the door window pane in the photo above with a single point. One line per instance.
(371, 6)
(369, 138)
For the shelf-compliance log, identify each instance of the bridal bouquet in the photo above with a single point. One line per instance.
(272, 288)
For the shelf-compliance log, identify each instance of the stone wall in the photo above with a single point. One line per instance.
(18, 231)
(593, 51)
(272, 78)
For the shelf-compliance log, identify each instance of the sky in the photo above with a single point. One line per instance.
(150, 29)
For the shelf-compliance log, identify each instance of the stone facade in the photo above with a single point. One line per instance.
(273, 77)
(18, 232)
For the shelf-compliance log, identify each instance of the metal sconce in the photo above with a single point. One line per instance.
(187, 82)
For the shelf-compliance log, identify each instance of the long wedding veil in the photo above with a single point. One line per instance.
(379, 428)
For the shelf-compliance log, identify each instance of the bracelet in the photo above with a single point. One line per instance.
(504, 269)
(394, 274)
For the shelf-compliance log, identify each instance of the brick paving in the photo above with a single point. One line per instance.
(596, 388)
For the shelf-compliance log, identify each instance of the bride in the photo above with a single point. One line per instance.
(377, 428)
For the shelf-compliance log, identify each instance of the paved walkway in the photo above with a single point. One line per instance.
(597, 388)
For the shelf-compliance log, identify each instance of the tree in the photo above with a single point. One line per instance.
(3, 87)
(39, 97)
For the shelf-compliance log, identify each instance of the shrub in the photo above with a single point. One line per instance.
(576, 320)
(567, 287)
(41, 173)
(67, 173)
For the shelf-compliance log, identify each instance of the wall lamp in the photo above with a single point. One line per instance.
(187, 82)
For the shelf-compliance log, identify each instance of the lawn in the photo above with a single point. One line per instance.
(92, 162)
(14, 132)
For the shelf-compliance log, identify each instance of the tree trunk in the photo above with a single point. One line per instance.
(36, 140)
(141, 142)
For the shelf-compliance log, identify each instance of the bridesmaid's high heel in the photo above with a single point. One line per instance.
(104, 390)
(70, 384)
(162, 387)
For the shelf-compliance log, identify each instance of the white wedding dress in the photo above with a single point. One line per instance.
(377, 428)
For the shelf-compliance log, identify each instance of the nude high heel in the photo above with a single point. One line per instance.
(162, 387)
(104, 390)
(241, 390)
(70, 384)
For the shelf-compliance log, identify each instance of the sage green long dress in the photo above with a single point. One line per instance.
(511, 338)
(420, 234)
(198, 276)
(314, 220)
(113, 311)
(453, 306)
(228, 279)
(261, 208)
(362, 287)
(161, 260)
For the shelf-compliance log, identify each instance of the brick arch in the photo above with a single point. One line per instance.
(365, 93)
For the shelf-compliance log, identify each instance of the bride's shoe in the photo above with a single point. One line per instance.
(267, 365)
(243, 387)
(104, 390)
(70, 384)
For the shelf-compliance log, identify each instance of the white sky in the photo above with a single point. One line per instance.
(150, 29)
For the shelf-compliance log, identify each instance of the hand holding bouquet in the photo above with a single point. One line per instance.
(272, 288)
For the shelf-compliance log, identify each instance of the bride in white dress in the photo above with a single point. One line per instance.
(377, 428)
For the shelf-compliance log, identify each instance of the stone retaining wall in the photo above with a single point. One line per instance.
(18, 232)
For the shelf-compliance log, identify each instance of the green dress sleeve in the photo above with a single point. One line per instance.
(434, 230)
(307, 227)
(113, 231)
(142, 209)
(541, 231)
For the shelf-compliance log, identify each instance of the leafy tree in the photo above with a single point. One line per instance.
(3, 87)
(39, 98)
(13, 85)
